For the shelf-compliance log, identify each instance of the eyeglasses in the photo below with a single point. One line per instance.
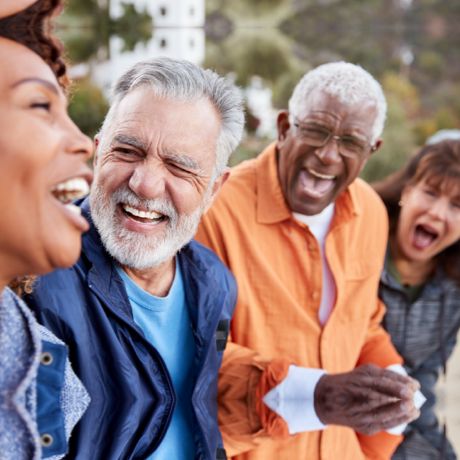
(318, 136)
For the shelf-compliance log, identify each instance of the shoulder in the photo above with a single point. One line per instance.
(201, 262)
(242, 181)
(370, 208)
(238, 196)
(367, 197)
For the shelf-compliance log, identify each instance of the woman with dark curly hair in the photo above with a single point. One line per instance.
(42, 167)
(420, 284)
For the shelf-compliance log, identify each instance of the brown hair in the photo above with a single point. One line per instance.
(439, 165)
(32, 28)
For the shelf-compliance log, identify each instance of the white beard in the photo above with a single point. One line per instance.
(137, 250)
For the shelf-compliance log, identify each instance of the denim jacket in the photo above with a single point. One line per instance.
(41, 399)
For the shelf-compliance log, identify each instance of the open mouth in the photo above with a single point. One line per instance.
(424, 236)
(319, 175)
(316, 184)
(139, 215)
(70, 190)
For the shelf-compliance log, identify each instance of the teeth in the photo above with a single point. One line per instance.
(73, 185)
(71, 189)
(144, 214)
(320, 176)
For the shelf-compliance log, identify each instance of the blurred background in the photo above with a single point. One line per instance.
(411, 46)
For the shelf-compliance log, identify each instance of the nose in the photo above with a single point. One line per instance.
(439, 208)
(147, 181)
(79, 143)
(329, 152)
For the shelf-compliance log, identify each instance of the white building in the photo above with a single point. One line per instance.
(178, 32)
(167, 13)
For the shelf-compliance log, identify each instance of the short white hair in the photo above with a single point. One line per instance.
(182, 80)
(349, 83)
(443, 135)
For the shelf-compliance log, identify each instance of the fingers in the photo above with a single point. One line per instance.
(387, 417)
(367, 399)
(389, 383)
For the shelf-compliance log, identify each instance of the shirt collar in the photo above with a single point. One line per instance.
(271, 206)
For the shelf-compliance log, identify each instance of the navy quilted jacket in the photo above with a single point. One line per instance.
(130, 388)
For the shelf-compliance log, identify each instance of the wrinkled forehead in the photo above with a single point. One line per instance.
(331, 109)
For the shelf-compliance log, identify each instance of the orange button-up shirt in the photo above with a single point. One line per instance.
(277, 263)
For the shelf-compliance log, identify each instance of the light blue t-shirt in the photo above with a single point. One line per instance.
(165, 322)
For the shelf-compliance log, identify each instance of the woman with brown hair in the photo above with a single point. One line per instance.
(420, 284)
(42, 167)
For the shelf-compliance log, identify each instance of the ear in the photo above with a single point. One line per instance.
(283, 125)
(218, 183)
(377, 145)
(96, 145)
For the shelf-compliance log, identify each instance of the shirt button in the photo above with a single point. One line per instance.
(46, 440)
(46, 358)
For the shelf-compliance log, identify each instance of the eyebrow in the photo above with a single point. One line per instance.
(129, 140)
(183, 160)
(179, 159)
(46, 83)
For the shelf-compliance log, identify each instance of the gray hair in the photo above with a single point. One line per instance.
(182, 80)
(443, 135)
(348, 82)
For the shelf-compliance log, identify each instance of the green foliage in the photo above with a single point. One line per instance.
(82, 7)
(248, 55)
(87, 107)
(95, 28)
(80, 48)
(431, 63)
(243, 9)
(133, 26)
(398, 143)
(284, 86)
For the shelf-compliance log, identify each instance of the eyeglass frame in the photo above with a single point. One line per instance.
(371, 147)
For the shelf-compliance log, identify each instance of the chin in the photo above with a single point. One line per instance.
(65, 254)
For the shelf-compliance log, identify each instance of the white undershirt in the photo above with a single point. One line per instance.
(319, 225)
(293, 398)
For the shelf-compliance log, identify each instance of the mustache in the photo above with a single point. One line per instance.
(124, 195)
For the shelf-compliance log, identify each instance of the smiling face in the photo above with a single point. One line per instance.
(153, 176)
(43, 164)
(313, 177)
(429, 220)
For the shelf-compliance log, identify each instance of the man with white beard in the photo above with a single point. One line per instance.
(145, 311)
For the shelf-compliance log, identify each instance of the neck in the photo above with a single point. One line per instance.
(411, 272)
(8, 269)
(156, 281)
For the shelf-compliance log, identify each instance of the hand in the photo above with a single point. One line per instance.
(368, 399)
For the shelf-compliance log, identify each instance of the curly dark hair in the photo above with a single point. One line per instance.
(33, 28)
(439, 165)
